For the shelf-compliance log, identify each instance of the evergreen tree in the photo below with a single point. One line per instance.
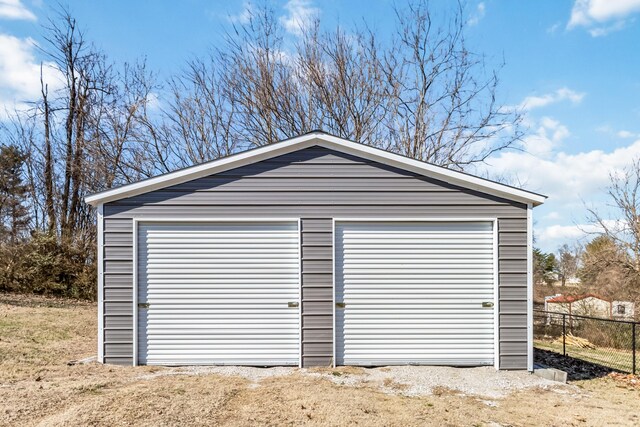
(14, 215)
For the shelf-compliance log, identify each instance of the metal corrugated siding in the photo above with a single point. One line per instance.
(414, 292)
(218, 293)
(317, 291)
(118, 290)
(364, 176)
(512, 268)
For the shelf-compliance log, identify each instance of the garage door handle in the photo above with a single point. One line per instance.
(143, 305)
(292, 304)
(340, 305)
(487, 304)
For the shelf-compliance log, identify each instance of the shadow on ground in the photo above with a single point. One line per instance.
(576, 369)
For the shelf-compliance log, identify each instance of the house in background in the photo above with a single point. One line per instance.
(315, 251)
(590, 305)
(623, 310)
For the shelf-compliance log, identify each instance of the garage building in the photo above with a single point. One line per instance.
(315, 251)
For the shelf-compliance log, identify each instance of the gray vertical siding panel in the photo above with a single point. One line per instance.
(512, 294)
(318, 184)
(118, 290)
(317, 291)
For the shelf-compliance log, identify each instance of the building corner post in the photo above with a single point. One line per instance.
(100, 278)
(530, 287)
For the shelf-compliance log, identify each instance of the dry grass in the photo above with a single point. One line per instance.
(39, 336)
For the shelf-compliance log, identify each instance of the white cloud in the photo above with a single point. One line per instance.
(585, 12)
(561, 233)
(549, 165)
(566, 178)
(592, 14)
(549, 135)
(554, 28)
(569, 179)
(300, 14)
(14, 9)
(244, 16)
(477, 16)
(626, 134)
(562, 94)
(603, 31)
(20, 73)
(555, 235)
(553, 215)
(154, 102)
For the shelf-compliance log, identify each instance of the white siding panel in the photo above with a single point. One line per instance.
(413, 293)
(218, 293)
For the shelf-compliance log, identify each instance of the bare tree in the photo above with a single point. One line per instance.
(48, 159)
(124, 144)
(567, 262)
(199, 120)
(93, 131)
(445, 106)
(603, 269)
(622, 228)
(420, 93)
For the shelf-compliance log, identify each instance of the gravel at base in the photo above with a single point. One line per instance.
(422, 380)
(405, 380)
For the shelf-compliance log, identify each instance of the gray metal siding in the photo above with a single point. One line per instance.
(317, 291)
(317, 184)
(512, 294)
(118, 290)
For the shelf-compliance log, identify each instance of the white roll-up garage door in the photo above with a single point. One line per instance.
(414, 293)
(224, 293)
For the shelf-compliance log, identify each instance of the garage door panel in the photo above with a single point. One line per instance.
(414, 293)
(218, 293)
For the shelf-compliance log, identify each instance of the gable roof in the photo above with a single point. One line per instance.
(563, 299)
(322, 139)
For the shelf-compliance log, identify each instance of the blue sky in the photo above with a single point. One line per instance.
(572, 65)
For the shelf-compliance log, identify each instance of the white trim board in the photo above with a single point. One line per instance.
(300, 336)
(100, 250)
(496, 296)
(323, 140)
(333, 291)
(135, 292)
(530, 288)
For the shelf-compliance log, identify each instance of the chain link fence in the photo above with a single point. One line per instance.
(605, 342)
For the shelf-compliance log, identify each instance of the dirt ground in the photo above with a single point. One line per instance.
(39, 336)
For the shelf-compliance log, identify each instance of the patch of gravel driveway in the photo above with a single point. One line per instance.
(425, 380)
(404, 380)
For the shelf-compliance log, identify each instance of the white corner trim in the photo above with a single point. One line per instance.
(333, 291)
(323, 140)
(496, 298)
(100, 278)
(530, 288)
(300, 340)
(135, 292)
